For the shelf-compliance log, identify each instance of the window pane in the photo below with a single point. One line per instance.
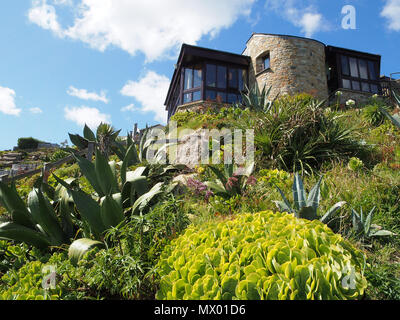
(372, 71)
(211, 75)
(353, 67)
(232, 98)
(267, 62)
(374, 88)
(221, 97)
(187, 97)
(233, 78)
(221, 76)
(188, 79)
(211, 95)
(197, 77)
(363, 69)
(346, 84)
(345, 66)
(356, 85)
(196, 95)
(242, 79)
(365, 86)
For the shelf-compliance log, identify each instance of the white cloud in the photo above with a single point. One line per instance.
(310, 23)
(7, 102)
(150, 91)
(153, 27)
(85, 95)
(305, 17)
(35, 110)
(130, 107)
(81, 115)
(45, 16)
(391, 12)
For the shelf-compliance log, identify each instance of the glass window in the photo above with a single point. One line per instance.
(365, 86)
(363, 69)
(232, 98)
(211, 71)
(267, 62)
(188, 79)
(221, 97)
(374, 88)
(353, 67)
(197, 77)
(221, 77)
(187, 97)
(355, 85)
(242, 79)
(211, 95)
(346, 84)
(372, 71)
(233, 78)
(345, 66)
(196, 95)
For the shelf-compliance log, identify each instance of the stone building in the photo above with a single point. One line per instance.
(287, 64)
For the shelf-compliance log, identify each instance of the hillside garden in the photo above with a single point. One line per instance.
(316, 216)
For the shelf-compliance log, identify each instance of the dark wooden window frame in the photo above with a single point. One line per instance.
(194, 89)
(342, 76)
(228, 90)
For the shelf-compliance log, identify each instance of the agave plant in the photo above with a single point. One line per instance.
(394, 118)
(105, 208)
(363, 227)
(37, 224)
(306, 207)
(256, 100)
(232, 180)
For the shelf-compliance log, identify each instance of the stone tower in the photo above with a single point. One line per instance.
(287, 63)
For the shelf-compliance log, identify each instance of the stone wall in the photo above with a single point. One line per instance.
(201, 106)
(359, 97)
(297, 65)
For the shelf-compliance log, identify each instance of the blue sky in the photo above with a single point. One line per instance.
(67, 62)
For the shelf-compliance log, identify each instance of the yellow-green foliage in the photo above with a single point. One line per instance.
(276, 177)
(26, 284)
(262, 256)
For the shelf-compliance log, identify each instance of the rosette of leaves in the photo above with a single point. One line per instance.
(363, 227)
(267, 256)
(232, 180)
(355, 164)
(26, 283)
(306, 207)
(38, 223)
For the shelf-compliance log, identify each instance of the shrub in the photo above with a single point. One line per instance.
(26, 284)
(355, 164)
(58, 155)
(373, 115)
(276, 177)
(262, 256)
(28, 143)
(297, 135)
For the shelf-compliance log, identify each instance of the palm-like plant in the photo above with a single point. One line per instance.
(105, 138)
(306, 207)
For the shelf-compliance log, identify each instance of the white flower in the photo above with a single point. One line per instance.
(350, 102)
(338, 93)
(375, 96)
